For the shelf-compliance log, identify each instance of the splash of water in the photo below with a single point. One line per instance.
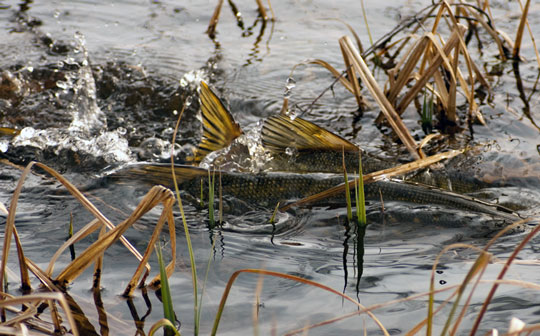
(191, 79)
(87, 116)
(245, 154)
(87, 132)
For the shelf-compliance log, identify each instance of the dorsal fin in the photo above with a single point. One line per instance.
(280, 133)
(219, 127)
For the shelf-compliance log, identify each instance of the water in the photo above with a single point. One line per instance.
(95, 84)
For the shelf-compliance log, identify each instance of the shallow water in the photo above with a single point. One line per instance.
(101, 84)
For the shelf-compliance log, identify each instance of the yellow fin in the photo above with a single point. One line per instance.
(280, 133)
(219, 127)
(157, 173)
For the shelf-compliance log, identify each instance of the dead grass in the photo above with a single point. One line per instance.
(432, 56)
(435, 61)
(109, 234)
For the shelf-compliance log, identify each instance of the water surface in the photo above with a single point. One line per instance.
(101, 84)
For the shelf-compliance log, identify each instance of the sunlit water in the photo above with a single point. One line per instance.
(100, 84)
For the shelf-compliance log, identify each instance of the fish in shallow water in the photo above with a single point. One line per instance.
(267, 189)
(303, 159)
(295, 145)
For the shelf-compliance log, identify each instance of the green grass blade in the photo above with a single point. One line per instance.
(360, 196)
(220, 210)
(202, 194)
(347, 191)
(205, 279)
(186, 230)
(211, 184)
(166, 299)
(273, 218)
(162, 323)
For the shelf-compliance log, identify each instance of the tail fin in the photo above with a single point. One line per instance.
(280, 133)
(219, 127)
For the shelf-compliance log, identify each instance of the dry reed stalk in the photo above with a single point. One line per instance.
(406, 66)
(256, 304)
(521, 28)
(428, 49)
(375, 176)
(79, 235)
(435, 63)
(11, 230)
(262, 10)
(491, 31)
(353, 79)
(211, 30)
(212, 25)
(93, 253)
(369, 81)
(537, 53)
(10, 227)
(155, 196)
(337, 74)
(38, 299)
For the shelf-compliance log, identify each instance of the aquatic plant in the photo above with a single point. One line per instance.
(35, 304)
(437, 61)
(211, 185)
(166, 298)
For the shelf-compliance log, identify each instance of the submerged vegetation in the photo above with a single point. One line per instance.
(428, 72)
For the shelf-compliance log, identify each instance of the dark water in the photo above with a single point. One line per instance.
(94, 84)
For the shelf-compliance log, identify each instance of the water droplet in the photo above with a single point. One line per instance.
(188, 101)
(4, 145)
(291, 113)
(291, 84)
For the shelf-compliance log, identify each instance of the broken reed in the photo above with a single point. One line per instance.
(436, 61)
(57, 285)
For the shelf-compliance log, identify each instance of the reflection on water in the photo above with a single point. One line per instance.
(93, 84)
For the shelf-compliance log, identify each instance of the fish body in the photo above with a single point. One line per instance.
(267, 189)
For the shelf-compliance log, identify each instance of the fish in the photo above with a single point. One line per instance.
(296, 145)
(315, 165)
(270, 188)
